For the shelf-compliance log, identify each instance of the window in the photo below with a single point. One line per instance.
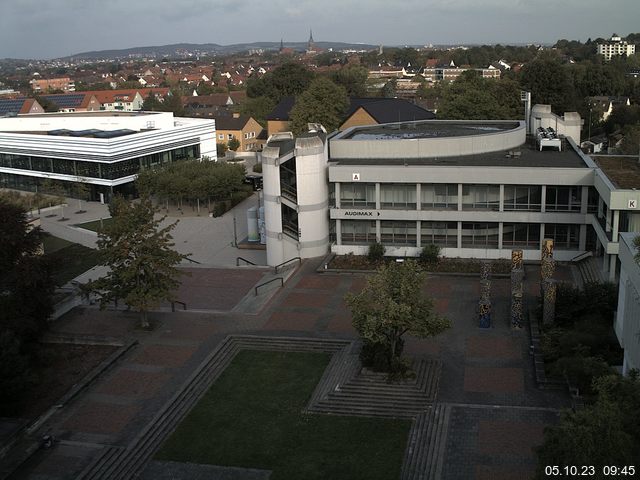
(522, 197)
(565, 237)
(439, 197)
(358, 232)
(563, 199)
(479, 235)
(481, 197)
(526, 235)
(443, 234)
(230, 136)
(398, 196)
(221, 136)
(357, 195)
(398, 233)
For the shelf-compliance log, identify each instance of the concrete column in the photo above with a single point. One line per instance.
(600, 204)
(501, 199)
(500, 231)
(612, 268)
(543, 198)
(459, 199)
(378, 203)
(337, 194)
(608, 221)
(418, 236)
(541, 236)
(616, 225)
(338, 232)
(378, 232)
(584, 200)
(582, 239)
(418, 197)
(459, 234)
(605, 262)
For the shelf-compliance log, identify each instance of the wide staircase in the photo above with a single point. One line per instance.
(347, 389)
(590, 270)
(114, 463)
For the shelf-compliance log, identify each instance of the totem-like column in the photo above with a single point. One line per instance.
(517, 277)
(484, 306)
(547, 285)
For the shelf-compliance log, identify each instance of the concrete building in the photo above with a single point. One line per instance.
(105, 150)
(477, 189)
(627, 323)
(615, 47)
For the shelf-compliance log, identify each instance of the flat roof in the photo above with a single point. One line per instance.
(623, 171)
(97, 113)
(529, 156)
(428, 129)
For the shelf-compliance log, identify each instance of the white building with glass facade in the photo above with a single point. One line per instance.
(477, 189)
(105, 150)
(627, 323)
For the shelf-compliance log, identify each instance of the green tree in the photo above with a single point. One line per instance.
(549, 83)
(234, 144)
(353, 78)
(288, 79)
(139, 253)
(258, 108)
(221, 149)
(393, 304)
(323, 102)
(631, 142)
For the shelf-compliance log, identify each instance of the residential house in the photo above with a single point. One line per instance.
(243, 128)
(119, 100)
(602, 106)
(19, 106)
(74, 102)
(49, 84)
(615, 47)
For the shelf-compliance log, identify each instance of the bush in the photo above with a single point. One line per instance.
(376, 252)
(582, 371)
(430, 254)
(257, 168)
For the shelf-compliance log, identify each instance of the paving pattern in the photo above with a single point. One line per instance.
(483, 423)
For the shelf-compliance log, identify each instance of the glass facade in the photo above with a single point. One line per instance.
(481, 197)
(479, 235)
(563, 199)
(398, 233)
(522, 235)
(565, 237)
(103, 170)
(523, 197)
(398, 196)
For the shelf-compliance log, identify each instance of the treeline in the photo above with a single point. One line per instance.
(219, 186)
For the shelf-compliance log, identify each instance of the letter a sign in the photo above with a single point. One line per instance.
(355, 177)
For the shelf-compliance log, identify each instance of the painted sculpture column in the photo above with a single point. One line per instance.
(548, 286)
(484, 305)
(517, 277)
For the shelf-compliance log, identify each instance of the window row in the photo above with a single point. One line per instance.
(474, 197)
(445, 234)
(109, 171)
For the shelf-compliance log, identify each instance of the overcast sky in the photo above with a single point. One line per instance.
(55, 28)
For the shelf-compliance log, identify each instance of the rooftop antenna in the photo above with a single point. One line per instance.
(526, 98)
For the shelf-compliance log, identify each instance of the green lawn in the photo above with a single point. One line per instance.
(95, 224)
(68, 260)
(252, 417)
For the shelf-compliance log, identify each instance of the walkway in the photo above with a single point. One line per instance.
(488, 413)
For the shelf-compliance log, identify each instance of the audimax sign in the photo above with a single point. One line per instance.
(361, 213)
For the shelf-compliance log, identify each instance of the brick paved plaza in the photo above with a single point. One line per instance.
(497, 413)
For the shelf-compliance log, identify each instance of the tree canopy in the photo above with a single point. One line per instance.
(550, 83)
(392, 304)
(140, 257)
(288, 79)
(323, 102)
(353, 78)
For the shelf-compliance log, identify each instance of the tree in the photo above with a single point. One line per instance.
(393, 304)
(550, 83)
(353, 78)
(258, 108)
(221, 149)
(141, 260)
(323, 102)
(288, 79)
(26, 291)
(234, 144)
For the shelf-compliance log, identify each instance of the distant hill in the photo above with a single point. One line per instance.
(185, 49)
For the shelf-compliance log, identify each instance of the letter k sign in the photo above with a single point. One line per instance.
(632, 204)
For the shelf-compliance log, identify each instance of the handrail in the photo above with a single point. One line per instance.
(582, 256)
(193, 261)
(268, 282)
(173, 305)
(287, 261)
(244, 260)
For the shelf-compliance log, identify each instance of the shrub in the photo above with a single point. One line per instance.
(582, 371)
(257, 168)
(376, 252)
(430, 254)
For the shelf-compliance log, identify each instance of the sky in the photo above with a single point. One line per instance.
(44, 29)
